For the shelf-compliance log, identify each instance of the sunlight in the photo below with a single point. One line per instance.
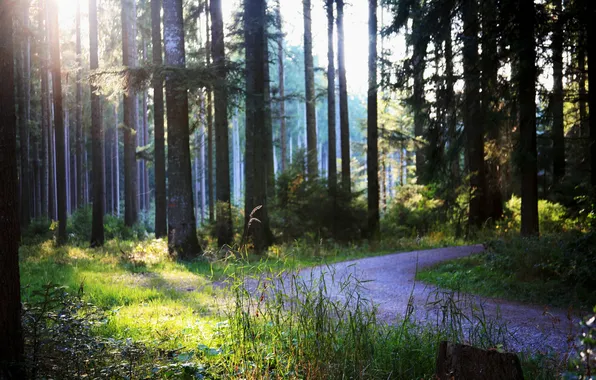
(67, 11)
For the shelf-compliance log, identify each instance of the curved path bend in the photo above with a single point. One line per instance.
(389, 282)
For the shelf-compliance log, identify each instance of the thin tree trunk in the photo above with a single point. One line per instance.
(527, 119)
(225, 233)
(346, 178)
(129, 59)
(45, 108)
(268, 127)
(589, 18)
(558, 131)
(282, 90)
(22, 43)
(311, 101)
(79, 114)
(97, 230)
(372, 153)
(182, 237)
(161, 229)
(116, 157)
(58, 122)
(210, 197)
(473, 127)
(331, 127)
(419, 98)
(490, 111)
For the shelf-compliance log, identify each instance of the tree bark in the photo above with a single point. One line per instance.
(182, 237)
(210, 197)
(61, 181)
(558, 129)
(372, 153)
(591, 13)
(21, 85)
(282, 90)
(97, 230)
(129, 59)
(527, 118)
(255, 165)
(490, 111)
(11, 335)
(45, 108)
(332, 140)
(311, 101)
(473, 126)
(225, 233)
(79, 115)
(161, 228)
(418, 96)
(346, 177)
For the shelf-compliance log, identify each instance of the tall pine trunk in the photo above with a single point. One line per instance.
(490, 111)
(129, 59)
(22, 42)
(79, 115)
(60, 150)
(473, 125)
(418, 96)
(311, 101)
(346, 177)
(209, 108)
(161, 228)
(589, 19)
(332, 156)
(558, 129)
(97, 231)
(182, 237)
(282, 90)
(255, 199)
(11, 335)
(527, 118)
(225, 233)
(372, 153)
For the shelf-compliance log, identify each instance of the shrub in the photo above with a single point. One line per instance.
(304, 208)
(414, 211)
(553, 217)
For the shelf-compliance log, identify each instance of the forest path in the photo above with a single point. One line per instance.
(389, 282)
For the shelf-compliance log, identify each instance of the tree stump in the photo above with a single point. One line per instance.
(462, 362)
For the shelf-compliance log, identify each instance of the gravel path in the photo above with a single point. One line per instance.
(389, 282)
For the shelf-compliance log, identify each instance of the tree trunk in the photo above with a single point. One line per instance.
(45, 109)
(419, 98)
(225, 233)
(558, 131)
(591, 13)
(346, 177)
(490, 111)
(372, 153)
(255, 169)
(451, 108)
(182, 237)
(79, 115)
(210, 197)
(311, 101)
(332, 156)
(161, 228)
(116, 157)
(61, 181)
(527, 118)
(473, 126)
(129, 59)
(97, 231)
(22, 43)
(282, 90)
(11, 335)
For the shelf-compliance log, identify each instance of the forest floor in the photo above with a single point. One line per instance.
(388, 282)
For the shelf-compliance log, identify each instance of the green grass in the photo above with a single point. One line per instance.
(164, 318)
(528, 271)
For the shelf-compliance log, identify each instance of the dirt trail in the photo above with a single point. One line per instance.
(390, 281)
